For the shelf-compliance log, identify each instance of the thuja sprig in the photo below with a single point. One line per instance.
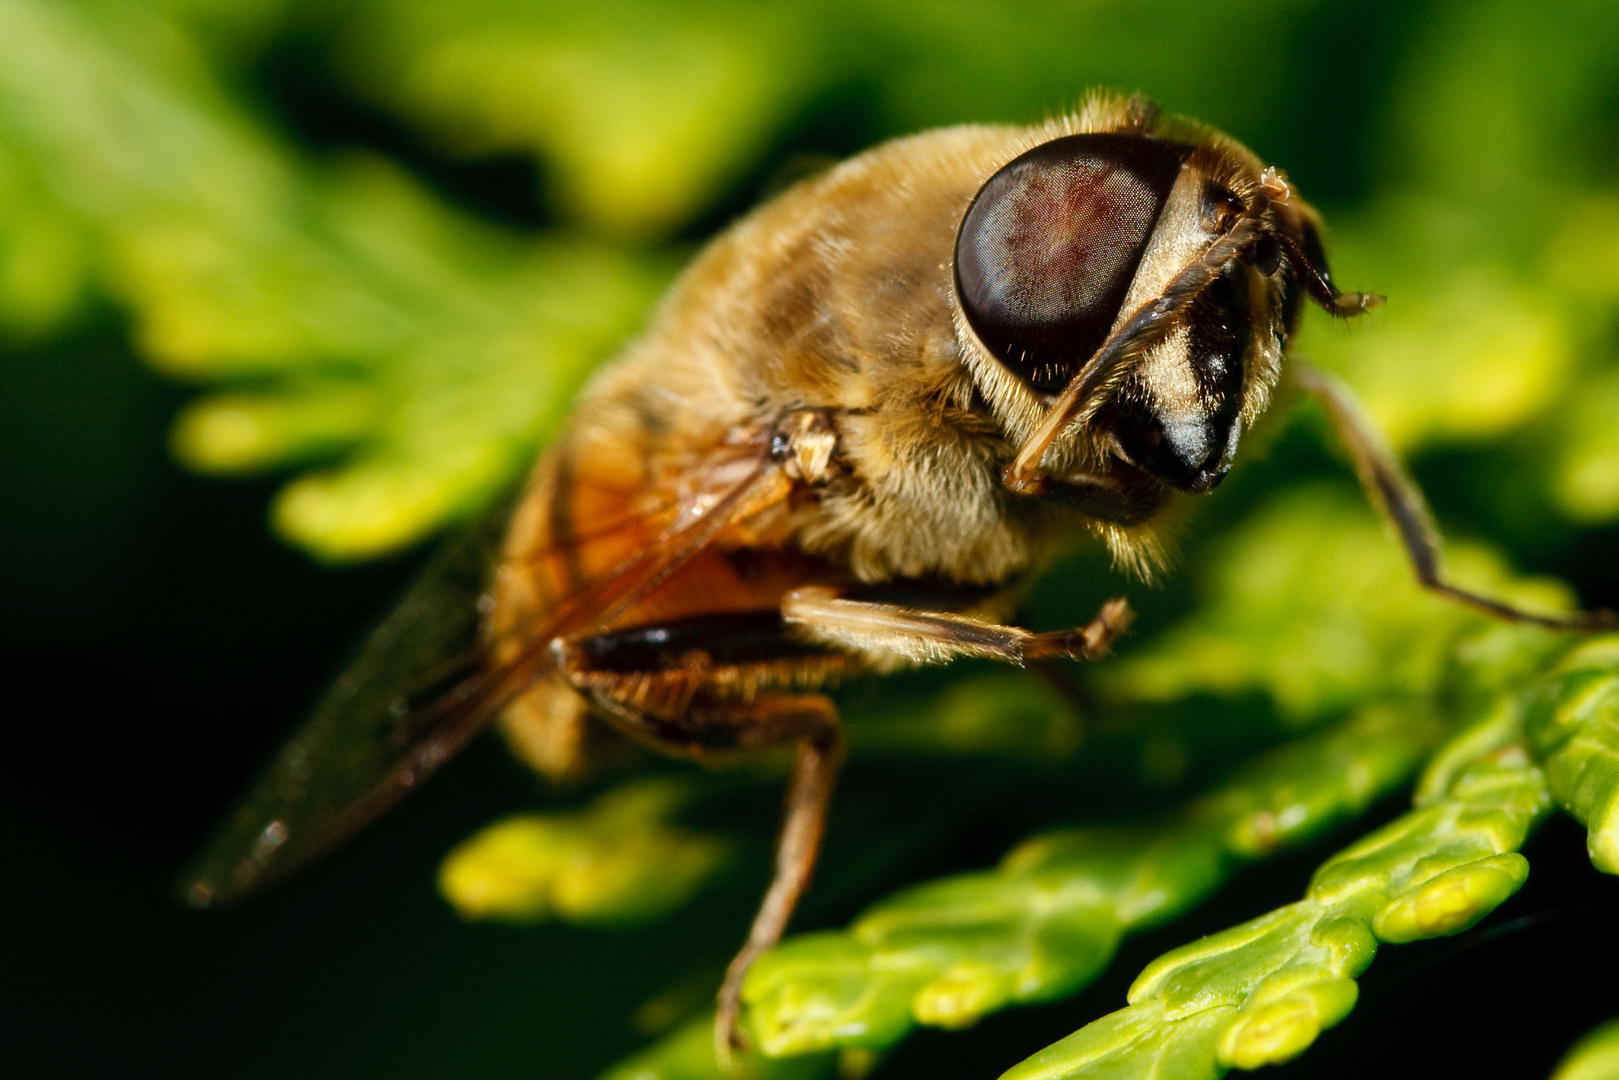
(1594, 1057)
(1049, 918)
(1261, 992)
(343, 316)
(1572, 723)
(619, 862)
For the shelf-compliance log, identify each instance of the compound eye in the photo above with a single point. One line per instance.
(1051, 243)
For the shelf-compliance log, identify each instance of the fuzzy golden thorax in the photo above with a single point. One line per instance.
(843, 294)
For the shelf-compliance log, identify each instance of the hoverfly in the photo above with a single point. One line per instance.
(860, 418)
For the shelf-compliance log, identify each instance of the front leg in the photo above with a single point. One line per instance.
(887, 636)
(1397, 497)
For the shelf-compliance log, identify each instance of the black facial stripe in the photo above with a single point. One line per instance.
(1048, 248)
(1221, 326)
(1184, 445)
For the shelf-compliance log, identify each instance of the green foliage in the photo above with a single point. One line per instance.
(350, 312)
(688, 1054)
(996, 715)
(1297, 605)
(350, 316)
(618, 863)
(641, 113)
(1573, 725)
(1595, 1057)
(1261, 992)
(1048, 920)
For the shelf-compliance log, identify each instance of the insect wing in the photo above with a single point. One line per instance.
(402, 705)
(424, 682)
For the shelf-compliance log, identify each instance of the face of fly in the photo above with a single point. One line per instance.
(1129, 296)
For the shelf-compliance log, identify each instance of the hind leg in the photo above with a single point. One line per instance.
(674, 698)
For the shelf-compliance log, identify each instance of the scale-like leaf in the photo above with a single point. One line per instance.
(1260, 993)
(1049, 919)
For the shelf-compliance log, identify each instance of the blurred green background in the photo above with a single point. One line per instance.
(286, 288)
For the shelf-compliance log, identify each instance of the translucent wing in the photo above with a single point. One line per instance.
(424, 683)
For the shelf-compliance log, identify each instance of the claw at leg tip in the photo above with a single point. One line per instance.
(728, 1037)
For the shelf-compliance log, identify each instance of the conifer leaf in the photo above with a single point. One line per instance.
(620, 862)
(1260, 993)
(1573, 727)
(640, 115)
(1049, 918)
(1595, 1057)
(688, 1054)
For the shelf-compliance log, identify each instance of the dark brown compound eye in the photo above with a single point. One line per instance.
(1051, 243)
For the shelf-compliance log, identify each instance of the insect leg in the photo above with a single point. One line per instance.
(774, 720)
(1400, 501)
(690, 688)
(820, 752)
(887, 635)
